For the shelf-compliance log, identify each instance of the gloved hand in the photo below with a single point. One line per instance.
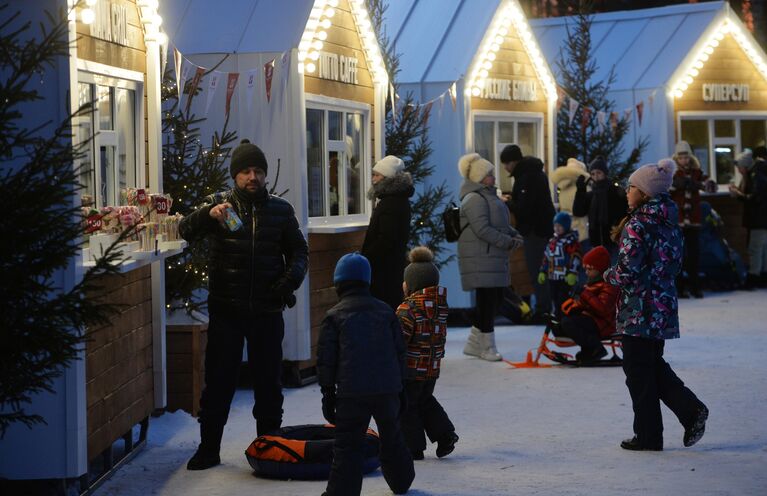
(580, 183)
(541, 277)
(571, 279)
(282, 288)
(329, 405)
(517, 242)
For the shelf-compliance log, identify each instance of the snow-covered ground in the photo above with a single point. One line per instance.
(531, 431)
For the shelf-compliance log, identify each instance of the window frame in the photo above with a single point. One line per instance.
(326, 105)
(713, 141)
(96, 74)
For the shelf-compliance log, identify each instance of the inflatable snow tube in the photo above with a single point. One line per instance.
(303, 452)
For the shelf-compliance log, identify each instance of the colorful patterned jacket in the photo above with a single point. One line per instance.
(649, 259)
(423, 317)
(561, 256)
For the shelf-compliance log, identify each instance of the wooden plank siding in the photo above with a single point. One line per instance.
(119, 361)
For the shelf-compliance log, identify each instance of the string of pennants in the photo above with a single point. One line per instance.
(451, 91)
(188, 71)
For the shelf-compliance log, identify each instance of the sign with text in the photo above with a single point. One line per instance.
(110, 23)
(338, 68)
(725, 92)
(509, 89)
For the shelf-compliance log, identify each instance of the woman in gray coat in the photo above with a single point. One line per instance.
(483, 251)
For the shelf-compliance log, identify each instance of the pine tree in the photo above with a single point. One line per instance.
(407, 137)
(41, 323)
(192, 170)
(577, 68)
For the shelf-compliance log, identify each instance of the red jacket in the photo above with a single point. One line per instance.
(685, 191)
(423, 317)
(598, 300)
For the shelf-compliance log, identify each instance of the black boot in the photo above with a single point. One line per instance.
(265, 426)
(210, 444)
(752, 282)
(694, 431)
(633, 445)
(446, 445)
(205, 458)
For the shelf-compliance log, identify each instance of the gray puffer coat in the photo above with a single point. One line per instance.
(483, 248)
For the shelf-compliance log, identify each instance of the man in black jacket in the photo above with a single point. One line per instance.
(361, 367)
(253, 271)
(530, 202)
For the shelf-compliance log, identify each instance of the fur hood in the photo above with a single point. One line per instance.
(400, 184)
(563, 177)
(694, 164)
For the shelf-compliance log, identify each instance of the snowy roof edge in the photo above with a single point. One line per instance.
(625, 15)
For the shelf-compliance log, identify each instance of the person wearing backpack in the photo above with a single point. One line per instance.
(483, 251)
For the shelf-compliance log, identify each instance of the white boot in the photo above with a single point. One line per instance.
(489, 351)
(473, 347)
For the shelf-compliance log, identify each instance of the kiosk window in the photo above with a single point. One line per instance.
(108, 135)
(492, 134)
(335, 160)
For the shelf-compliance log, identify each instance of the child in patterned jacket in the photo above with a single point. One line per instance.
(561, 262)
(423, 317)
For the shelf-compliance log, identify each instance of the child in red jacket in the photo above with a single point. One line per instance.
(423, 317)
(591, 316)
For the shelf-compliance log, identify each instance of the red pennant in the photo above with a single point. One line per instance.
(193, 86)
(231, 84)
(640, 111)
(585, 118)
(268, 73)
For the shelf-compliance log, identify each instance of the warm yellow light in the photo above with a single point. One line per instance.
(483, 73)
(688, 80)
(698, 64)
(317, 45)
(487, 65)
(678, 94)
(330, 13)
(494, 47)
(490, 56)
(475, 91)
(499, 40)
(310, 67)
(322, 35)
(87, 16)
(709, 50)
(503, 31)
(314, 55)
(683, 86)
(694, 72)
(325, 23)
(714, 42)
(704, 57)
(304, 45)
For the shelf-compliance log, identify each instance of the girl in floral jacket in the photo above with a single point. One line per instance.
(650, 257)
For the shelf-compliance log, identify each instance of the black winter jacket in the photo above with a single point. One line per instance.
(755, 208)
(616, 208)
(246, 264)
(360, 349)
(385, 244)
(531, 199)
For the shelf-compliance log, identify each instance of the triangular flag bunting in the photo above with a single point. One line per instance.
(268, 74)
(627, 114)
(212, 87)
(177, 62)
(251, 78)
(560, 97)
(571, 111)
(198, 73)
(427, 112)
(640, 111)
(453, 92)
(613, 121)
(585, 118)
(393, 104)
(601, 120)
(231, 84)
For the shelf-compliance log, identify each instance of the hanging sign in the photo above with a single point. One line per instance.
(110, 22)
(718, 92)
(509, 89)
(338, 68)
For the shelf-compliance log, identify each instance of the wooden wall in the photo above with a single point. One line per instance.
(728, 64)
(118, 361)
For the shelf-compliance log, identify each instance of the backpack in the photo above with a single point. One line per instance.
(451, 220)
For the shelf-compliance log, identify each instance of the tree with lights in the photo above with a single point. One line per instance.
(407, 137)
(42, 321)
(582, 136)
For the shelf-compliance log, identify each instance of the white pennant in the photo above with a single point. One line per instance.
(572, 109)
(215, 76)
(251, 84)
(393, 103)
(601, 120)
(627, 114)
(177, 62)
(186, 69)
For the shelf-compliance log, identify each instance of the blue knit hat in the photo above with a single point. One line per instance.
(352, 267)
(563, 219)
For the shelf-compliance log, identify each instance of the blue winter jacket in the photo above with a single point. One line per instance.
(649, 259)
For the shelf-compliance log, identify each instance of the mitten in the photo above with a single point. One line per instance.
(541, 277)
(580, 183)
(329, 405)
(571, 279)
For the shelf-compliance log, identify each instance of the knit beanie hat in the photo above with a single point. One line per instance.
(745, 158)
(352, 267)
(389, 166)
(600, 164)
(563, 219)
(247, 155)
(597, 258)
(421, 273)
(474, 168)
(511, 153)
(683, 147)
(653, 179)
(574, 163)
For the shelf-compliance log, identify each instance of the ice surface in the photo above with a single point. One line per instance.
(533, 431)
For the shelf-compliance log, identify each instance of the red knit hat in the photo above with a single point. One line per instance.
(597, 258)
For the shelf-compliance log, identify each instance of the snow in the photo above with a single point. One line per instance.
(530, 431)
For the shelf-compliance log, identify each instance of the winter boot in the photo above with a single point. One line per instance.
(205, 458)
(633, 445)
(472, 347)
(695, 430)
(446, 445)
(752, 282)
(487, 345)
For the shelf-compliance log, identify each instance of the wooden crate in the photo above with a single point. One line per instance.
(185, 345)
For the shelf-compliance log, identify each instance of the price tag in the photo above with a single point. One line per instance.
(93, 223)
(141, 197)
(161, 204)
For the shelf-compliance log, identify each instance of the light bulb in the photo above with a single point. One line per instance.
(317, 45)
(314, 55)
(87, 16)
(503, 31)
(698, 64)
(304, 45)
(709, 50)
(330, 13)
(704, 57)
(310, 67)
(494, 47)
(678, 94)
(688, 80)
(694, 72)
(475, 91)
(714, 42)
(490, 56)
(683, 86)
(499, 40)
(487, 65)
(322, 35)
(483, 73)
(325, 23)
(333, 3)
(90, 3)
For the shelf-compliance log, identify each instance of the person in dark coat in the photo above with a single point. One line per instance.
(689, 180)
(753, 194)
(605, 205)
(385, 244)
(254, 270)
(649, 259)
(530, 202)
(361, 368)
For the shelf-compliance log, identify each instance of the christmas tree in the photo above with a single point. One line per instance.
(407, 137)
(42, 319)
(192, 170)
(583, 137)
